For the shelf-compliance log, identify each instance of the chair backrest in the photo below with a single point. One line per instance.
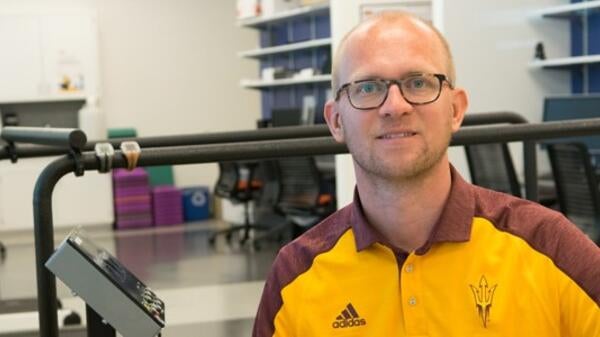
(236, 181)
(299, 186)
(268, 173)
(491, 166)
(228, 179)
(576, 186)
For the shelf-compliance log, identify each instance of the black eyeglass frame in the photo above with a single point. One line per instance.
(441, 77)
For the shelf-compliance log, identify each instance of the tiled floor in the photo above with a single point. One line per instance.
(214, 290)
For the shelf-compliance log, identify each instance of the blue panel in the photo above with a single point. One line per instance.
(279, 34)
(324, 60)
(576, 38)
(576, 81)
(282, 97)
(594, 73)
(322, 26)
(265, 63)
(301, 91)
(265, 38)
(594, 33)
(303, 59)
(301, 29)
(281, 60)
(266, 97)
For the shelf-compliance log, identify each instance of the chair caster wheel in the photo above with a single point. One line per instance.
(228, 237)
(72, 319)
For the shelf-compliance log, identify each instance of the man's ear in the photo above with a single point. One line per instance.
(334, 120)
(460, 103)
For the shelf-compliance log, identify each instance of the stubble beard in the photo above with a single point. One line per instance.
(389, 171)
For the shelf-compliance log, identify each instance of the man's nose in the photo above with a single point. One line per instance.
(395, 103)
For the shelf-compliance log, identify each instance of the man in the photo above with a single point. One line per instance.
(420, 252)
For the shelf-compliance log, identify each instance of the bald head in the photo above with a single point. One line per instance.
(378, 25)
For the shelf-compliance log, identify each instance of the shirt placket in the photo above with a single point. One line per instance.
(411, 293)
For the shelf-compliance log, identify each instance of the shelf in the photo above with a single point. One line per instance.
(260, 21)
(565, 62)
(258, 53)
(570, 10)
(258, 84)
(46, 99)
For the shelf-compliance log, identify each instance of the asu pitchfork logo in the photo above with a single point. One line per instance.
(484, 296)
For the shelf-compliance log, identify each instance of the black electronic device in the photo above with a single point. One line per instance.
(111, 290)
(286, 117)
(560, 108)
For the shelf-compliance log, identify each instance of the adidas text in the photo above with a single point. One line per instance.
(348, 323)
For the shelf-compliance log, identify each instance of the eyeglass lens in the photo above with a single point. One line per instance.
(419, 89)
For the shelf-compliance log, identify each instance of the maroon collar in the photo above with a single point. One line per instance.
(454, 224)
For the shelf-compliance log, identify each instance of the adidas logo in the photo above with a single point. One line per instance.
(348, 318)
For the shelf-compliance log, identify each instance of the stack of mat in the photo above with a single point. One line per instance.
(167, 205)
(133, 204)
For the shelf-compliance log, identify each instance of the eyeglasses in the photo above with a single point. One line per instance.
(416, 89)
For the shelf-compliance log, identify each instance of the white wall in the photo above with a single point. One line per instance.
(169, 67)
(492, 42)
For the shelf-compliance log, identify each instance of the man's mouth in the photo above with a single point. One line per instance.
(395, 135)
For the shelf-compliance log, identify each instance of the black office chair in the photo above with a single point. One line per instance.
(302, 198)
(232, 185)
(491, 166)
(577, 186)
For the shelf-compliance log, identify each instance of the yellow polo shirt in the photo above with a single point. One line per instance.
(494, 265)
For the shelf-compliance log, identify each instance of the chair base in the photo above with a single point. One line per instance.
(280, 234)
(228, 233)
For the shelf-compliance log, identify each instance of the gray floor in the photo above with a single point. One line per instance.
(214, 290)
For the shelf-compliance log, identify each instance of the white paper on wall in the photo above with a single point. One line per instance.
(420, 8)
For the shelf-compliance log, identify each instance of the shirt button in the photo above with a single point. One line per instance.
(409, 268)
(412, 301)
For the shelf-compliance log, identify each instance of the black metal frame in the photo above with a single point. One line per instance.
(388, 83)
(43, 220)
(159, 141)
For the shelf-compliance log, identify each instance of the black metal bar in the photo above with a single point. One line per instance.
(494, 118)
(67, 138)
(95, 325)
(43, 221)
(529, 147)
(44, 244)
(290, 132)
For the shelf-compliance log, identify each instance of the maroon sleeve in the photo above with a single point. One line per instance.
(293, 260)
(548, 232)
(271, 302)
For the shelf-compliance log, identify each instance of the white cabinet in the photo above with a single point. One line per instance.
(76, 200)
(47, 56)
(49, 65)
(21, 61)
